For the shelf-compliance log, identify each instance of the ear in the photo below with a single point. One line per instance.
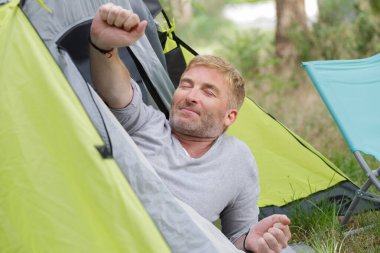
(230, 117)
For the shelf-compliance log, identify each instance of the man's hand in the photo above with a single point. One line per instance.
(115, 27)
(269, 235)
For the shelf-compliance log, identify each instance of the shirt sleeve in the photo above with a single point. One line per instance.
(240, 215)
(136, 114)
(147, 126)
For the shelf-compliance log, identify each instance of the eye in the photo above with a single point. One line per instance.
(184, 84)
(209, 93)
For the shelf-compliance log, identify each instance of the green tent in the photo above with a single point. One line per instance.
(57, 191)
(60, 189)
(71, 178)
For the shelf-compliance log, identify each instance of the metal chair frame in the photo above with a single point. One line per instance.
(353, 87)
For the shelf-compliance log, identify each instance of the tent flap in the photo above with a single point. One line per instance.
(57, 192)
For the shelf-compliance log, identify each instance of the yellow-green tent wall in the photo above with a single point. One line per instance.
(57, 193)
(289, 168)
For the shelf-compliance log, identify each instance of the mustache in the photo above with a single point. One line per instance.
(188, 106)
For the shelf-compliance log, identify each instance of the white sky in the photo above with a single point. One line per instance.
(263, 14)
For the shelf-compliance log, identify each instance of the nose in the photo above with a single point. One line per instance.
(192, 96)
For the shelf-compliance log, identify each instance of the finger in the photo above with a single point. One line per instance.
(272, 242)
(132, 21)
(104, 9)
(122, 17)
(268, 222)
(279, 218)
(279, 235)
(285, 229)
(262, 246)
(140, 29)
(137, 31)
(283, 219)
(112, 14)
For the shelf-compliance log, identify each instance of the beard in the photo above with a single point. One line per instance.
(207, 125)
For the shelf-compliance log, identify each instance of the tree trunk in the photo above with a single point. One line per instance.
(291, 14)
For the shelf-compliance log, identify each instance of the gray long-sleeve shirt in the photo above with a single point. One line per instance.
(223, 183)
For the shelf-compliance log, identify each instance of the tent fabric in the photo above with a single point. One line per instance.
(177, 53)
(315, 176)
(181, 227)
(70, 138)
(283, 158)
(57, 192)
(350, 89)
(339, 196)
(69, 14)
(292, 173)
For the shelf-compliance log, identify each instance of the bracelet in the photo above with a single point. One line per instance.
(245, 249)
(108, 52)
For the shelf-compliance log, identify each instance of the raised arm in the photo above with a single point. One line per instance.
(113, 27)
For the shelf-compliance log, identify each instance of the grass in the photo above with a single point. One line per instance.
(301, 109)
(318, 228)
(297, 104)
(321, 229)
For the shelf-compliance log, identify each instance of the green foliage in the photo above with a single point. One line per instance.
(248, 51)
(242, 1)
(204, 31)
(212, 8)
(334, 12)
(345, 30)
(375, 6)
(207, 26)
(167, 6)
(348, 163)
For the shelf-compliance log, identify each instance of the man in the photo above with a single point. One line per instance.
(207, 169)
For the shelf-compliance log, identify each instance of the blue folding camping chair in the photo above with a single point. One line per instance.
(351, 91)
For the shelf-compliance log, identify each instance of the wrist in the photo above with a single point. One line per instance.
(106, 52)
(244, 243)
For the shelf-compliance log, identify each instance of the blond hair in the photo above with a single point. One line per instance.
(232, 76)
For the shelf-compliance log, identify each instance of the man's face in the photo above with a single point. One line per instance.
(199, 106)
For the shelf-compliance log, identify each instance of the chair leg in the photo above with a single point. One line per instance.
(355, 202)
(372, 174)
(362, 192)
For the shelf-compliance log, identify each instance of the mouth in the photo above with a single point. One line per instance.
(188, 110)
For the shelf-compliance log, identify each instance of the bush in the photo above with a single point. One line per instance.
(249, 51)
(345, 30)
